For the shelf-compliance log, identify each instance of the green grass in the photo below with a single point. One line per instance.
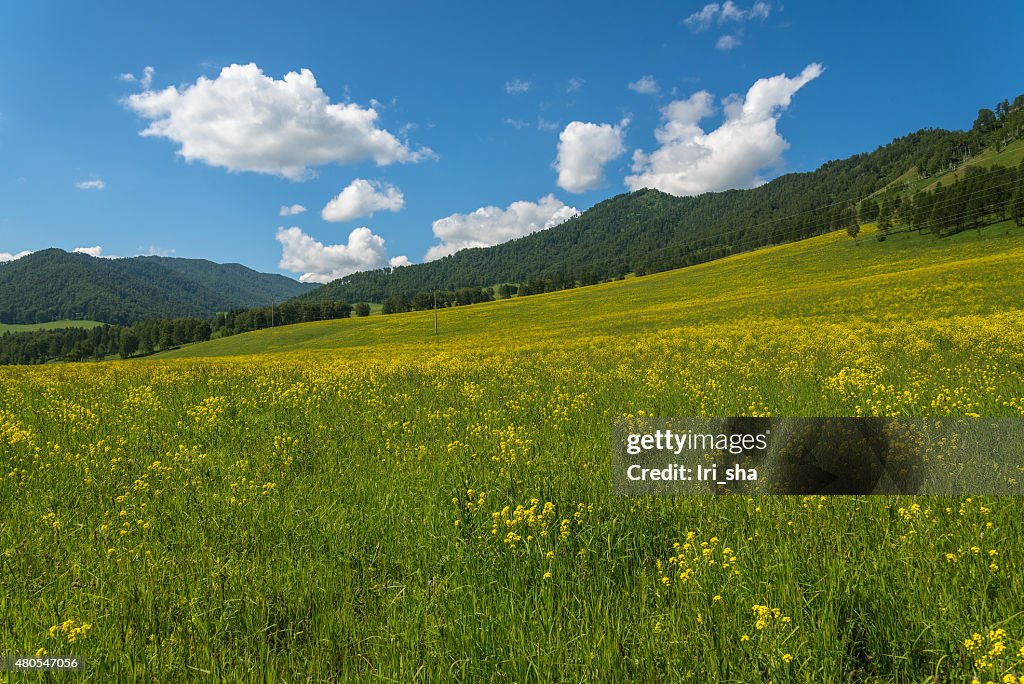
(53, 325)
(830, 266)
(359, 500)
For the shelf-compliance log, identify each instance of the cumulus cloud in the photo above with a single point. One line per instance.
(397, 261)
(7, 256)
(492, 225)
(516, 86)
(320, 263)
(244, 120)
(362, 198)
(645, 85)
(728, 11)
(726, 43)
(690, 161)
(293, 210)
(583, 150)
(94, 184)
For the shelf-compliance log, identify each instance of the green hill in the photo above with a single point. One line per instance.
(912, 180)
(52, 285)
(361, 500)
(820, 277)
(648, 231)
(241, 283)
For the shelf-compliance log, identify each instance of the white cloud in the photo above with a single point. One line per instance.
(293, 210)
(7, 256)
(492, 225)
(516, 86)
(362, 198)
(645, 85)
(517, 124)
(545, 125)
(583, 150)
(145, 80)
(727, 42)
(319, 263)
(700, 21)
(575, 85)
(759, 10)
(95, 251)
(690, 161)
(155, 250)
(94, 184)
(244, 120)
(727, 11)
(397, 261)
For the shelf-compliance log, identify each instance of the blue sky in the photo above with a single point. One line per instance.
(453, 124)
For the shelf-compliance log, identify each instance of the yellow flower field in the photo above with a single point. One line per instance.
(359, 500)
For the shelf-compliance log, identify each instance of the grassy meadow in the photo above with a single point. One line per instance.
(361, 500)
(53, 325)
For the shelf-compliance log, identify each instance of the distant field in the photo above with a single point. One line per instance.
(360, 500)
(28, 327)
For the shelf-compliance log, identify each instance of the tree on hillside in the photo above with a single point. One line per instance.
(200, 331)
(397, 304)
(986, 120)
(885, 219)
(920, 211)
(850, 222)
(362, 309)
(900, 211)
(1017, 202)
(129, 344)
(868, 211)
(422, 301)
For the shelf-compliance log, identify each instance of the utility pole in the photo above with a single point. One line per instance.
(435, 312)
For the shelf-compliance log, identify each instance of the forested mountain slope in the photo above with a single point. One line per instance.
(647, 230)
(52, 285)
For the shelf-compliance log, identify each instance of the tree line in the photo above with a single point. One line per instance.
(421, 301)
(982, 197)
(148, 337)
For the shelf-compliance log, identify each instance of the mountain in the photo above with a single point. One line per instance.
(647, 230)
(52, 284)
